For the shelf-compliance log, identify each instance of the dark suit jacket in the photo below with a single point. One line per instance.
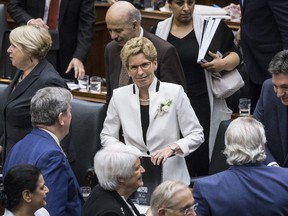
(106, 203)
(76, 26)
(40, 149)
(169, 66)
(274, 116)
(15, 115)
(264, 32)
(248, 190)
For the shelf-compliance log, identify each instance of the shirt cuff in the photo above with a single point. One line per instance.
(273, 164)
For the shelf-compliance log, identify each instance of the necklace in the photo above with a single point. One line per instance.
(144, 100)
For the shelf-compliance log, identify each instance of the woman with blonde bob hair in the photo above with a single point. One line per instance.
(155, 114)
(32, 40)
(29, 46)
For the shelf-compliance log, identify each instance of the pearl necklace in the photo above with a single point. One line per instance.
(144, 100)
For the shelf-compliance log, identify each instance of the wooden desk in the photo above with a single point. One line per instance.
(88, 96)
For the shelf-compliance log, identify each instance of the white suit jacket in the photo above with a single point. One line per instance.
(218, 106)
(124, 110)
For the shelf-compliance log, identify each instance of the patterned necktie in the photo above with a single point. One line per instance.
(124, 77)
(53, 14)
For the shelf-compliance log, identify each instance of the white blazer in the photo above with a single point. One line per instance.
(124, 110)
(218, 106)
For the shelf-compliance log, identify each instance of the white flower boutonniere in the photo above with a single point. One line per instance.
(164, 107)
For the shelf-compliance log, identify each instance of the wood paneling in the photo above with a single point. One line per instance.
(94, 64)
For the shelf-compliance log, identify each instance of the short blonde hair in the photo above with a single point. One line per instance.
(136, 46)
(33, 40)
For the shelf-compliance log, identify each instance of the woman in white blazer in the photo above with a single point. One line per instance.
(152, 114)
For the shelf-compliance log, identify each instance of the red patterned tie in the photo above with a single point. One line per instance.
(53, 14)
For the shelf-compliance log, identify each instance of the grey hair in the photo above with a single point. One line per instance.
(244, 141)
(114, 161)
(163, 195)
(33, 40)
(134, 15)
(47, 104)
(279, 63)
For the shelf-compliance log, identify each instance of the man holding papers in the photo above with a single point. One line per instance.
(184, 31)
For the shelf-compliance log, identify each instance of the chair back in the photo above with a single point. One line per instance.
(86, 126)
(218, 159)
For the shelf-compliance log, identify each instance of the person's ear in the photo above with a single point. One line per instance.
(26, 195)
(155, 65)
(134, 25)
(161, 212)
(121, 179)
(60, 118)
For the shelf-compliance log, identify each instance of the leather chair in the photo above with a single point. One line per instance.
(218, 159)
(86, 125)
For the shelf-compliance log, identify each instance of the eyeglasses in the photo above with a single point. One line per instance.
(187, 210)
(144, 66)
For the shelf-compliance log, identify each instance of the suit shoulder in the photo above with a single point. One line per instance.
(268, 83)
(122, 91)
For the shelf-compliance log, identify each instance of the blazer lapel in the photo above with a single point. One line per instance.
(124, 207)
(28, 81)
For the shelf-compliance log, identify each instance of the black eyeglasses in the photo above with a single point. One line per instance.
(187, 210)
(144, 66)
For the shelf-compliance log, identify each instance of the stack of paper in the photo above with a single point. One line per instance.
(151, 178)
(216, 37)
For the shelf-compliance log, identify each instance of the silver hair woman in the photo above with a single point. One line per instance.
(48, 103)
(245, 141)
(32, 40)
(115, 161)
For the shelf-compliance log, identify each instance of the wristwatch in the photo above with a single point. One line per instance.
(173, 148)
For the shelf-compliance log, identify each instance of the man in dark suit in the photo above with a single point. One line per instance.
(75, 29)
(264, 32)
(272, 110)
(124, 22)
(248, 187)
(51, 118)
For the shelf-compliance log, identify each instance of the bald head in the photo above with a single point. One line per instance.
(123, 22)
(120, 8)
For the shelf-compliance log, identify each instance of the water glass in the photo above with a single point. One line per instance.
(95, 84)
(84, 83)
(85, 190)
(244, 106)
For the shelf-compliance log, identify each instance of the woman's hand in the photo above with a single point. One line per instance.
(219, 64)
(214, 66)
(161, 155)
